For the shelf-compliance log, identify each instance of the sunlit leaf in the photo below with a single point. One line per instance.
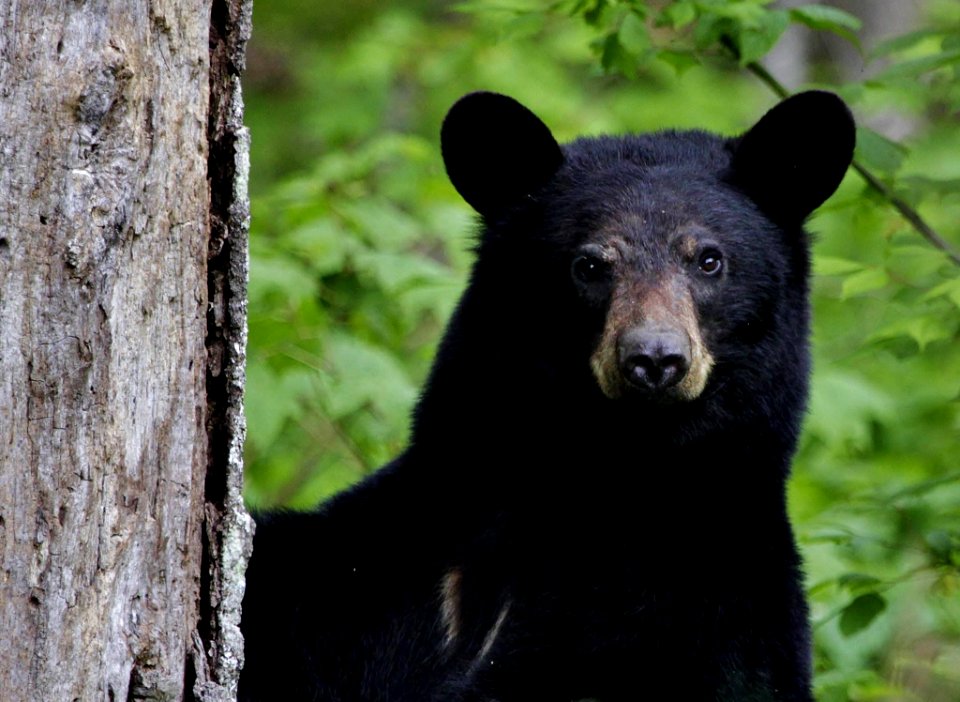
(679, 14)
(918, 66)
(843, 407)
(858, 582)
(324, 243)
(833, 265)
(361, 375)
(830, 19)
(271, 400)
(633, 34)
(949, 289)
(281, 275)
(863, 282)
(902, 42)
(924, 330)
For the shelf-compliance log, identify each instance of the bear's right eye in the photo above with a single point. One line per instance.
(588, 269)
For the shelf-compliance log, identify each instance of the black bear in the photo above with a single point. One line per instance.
(592, 502)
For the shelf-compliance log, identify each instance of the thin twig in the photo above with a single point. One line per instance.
(899, 204)
(908, 213)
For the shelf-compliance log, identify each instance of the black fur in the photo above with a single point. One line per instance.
(633, 548)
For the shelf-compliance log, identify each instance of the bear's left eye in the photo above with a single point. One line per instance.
(590, 269)
(710, 262)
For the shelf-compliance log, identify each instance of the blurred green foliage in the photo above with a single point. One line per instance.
(360, 247)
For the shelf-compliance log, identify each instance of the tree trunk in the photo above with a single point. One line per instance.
(122, 273)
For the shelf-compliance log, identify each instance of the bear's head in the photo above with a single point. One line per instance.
(679, 256)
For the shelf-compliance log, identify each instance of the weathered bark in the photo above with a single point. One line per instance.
(105, 457)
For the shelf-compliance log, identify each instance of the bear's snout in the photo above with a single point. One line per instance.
(651, 345)
(653, 359)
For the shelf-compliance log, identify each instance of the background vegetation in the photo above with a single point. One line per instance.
(360, 247)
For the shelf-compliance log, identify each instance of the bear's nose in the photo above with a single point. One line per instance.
(653, 359)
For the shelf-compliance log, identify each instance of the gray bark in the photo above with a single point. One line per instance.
(113, 466)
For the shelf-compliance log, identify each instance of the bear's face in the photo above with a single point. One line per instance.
(680, 250)
(651, 286)
(675, 269)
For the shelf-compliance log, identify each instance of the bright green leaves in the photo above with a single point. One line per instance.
(749, 29)
(845, 410)
(678, 15)
(949, 289)
(623, 50)
(633, 36)
(353, 266)
(914, 68)
(915, 293)
(358, 260)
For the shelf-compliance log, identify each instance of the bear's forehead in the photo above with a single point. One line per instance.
(671, 177)
(630, 238)
(639, 203)
(694, 149)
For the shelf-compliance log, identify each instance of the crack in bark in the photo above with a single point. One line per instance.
(228, 532)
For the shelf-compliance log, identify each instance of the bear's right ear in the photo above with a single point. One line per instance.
(796, 155)
(496, 151)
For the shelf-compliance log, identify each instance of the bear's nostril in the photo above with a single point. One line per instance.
(653, 361)
(672, 369)
(655, 372)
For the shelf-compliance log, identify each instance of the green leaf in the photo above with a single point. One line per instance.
(395, 272)
(825, 17)
(593, 14)
(633, 34)
(382, 224)
(679, 61)
(860, 613)
(858, 582)
(480, 6)
(678, 15)
(744, 13)
(710, 29)
(949, 289)
(323, 243)
(924, 487)
(756, 41)
(828, 19)
(878, 152)
(832, 265)
(271, 399)
(844, 408)
(282, 275)
(363, 375)
(902, 42)
(924, 330)
(942, 544)
(917, 67)
(915, 263)
(923, 185)
(864, 281)
(615, 58)
(829, 536)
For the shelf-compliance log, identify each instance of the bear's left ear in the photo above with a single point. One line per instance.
(496, 151)
(794, 158)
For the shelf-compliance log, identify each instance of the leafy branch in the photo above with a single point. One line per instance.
(632, 33)
(907, 211)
